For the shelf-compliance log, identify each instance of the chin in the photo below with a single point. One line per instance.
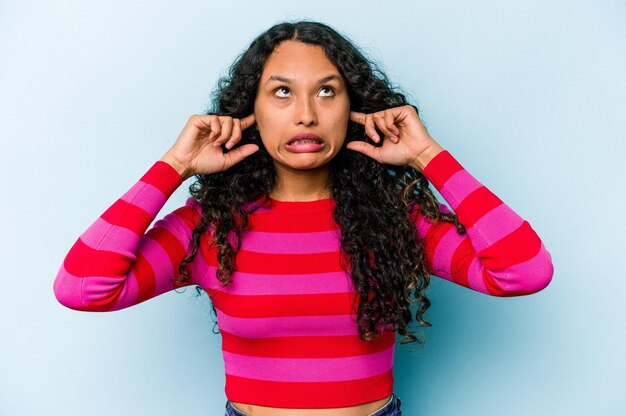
(308, 164)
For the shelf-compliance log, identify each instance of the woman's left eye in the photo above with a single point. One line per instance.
(329, 88)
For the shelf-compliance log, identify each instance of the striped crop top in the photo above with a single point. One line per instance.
(289, 334)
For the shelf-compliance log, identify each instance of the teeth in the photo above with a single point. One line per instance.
(305, 141)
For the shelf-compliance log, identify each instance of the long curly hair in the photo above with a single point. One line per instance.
(373, 201)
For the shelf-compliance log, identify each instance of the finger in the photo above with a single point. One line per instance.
(235, 136)
(227, 127)
(390, 121)
(247, 121)
(204, 120)
(235, 156)
(365, 148)
(216, 128)
(379, 119)
(365, 120)
(357, 117)
(370, 128)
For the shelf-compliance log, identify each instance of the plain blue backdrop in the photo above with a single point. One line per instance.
(527, 95)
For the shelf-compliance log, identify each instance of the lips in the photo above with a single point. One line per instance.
(305, 143)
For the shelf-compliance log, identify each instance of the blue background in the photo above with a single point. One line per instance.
(526, 95)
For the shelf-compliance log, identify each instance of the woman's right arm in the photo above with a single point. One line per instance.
(115, 263)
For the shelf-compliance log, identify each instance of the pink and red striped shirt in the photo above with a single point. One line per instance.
(289, 334)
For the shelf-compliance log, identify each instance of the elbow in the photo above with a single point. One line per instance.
(67, 290)
(531, 277)
(541, 279)
(542, 272)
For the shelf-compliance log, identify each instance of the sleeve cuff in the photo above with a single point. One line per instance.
(164, 177)
(441, 168)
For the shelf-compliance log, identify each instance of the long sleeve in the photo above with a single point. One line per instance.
(115, 263)
(499, 255)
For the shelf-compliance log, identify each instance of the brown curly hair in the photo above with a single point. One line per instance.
(375, 203)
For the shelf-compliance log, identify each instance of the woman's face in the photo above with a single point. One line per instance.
(301, 91)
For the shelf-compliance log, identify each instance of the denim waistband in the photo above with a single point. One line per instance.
(391, 408)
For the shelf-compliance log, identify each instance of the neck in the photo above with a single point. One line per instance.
(301, 184)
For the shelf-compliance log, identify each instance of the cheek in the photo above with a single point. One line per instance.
(263, 119)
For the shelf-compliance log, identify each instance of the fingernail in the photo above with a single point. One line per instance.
(375, 137)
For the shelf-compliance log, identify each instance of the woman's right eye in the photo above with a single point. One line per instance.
(281, 88)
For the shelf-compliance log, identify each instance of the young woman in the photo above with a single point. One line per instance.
(310, 225)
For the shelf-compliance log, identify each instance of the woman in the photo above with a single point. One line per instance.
(310, 224)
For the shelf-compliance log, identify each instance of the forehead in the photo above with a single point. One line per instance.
(298, 60)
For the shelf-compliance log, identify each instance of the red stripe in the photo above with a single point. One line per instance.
(306, 346)
(264, 263)
(83, 261)
(521, 245)
(441, 168)
(188, 215)
(308, 394)
(461, 261)
(493, 288)
(146, 279)
(208, 250)
(265, 306)
(163, 176)
(475, 205)
(287, 222)
(129, 216)
(170, 244)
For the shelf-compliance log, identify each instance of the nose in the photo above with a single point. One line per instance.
(305, 112)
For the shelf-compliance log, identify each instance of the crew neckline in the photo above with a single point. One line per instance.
(299, 206)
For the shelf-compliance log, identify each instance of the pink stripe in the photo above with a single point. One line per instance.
(151, 199)
(200, 271)
(533, 274)
(104, 236)
(288, 326)
(73, 291)
(493, 226)
(422, 226)
(292, 243)
(176, 226)
(67, 288)
(457, 187)
(308, 369)
(284, 284)
(96, 288)
(475, 276)
(442, 257)
(128, 294)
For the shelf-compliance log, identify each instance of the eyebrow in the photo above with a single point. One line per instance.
(287, 80)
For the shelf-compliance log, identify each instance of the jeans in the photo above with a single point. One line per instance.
(391, 408)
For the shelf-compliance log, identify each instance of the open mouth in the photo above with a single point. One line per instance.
(305, 141)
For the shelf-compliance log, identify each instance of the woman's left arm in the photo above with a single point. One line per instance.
(500, 255)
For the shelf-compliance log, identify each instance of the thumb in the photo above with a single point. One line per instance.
(365, 148)
(235, 156)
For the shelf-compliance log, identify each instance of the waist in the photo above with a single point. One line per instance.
(309, 395)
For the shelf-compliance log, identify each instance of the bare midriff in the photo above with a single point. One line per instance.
(360, 410)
